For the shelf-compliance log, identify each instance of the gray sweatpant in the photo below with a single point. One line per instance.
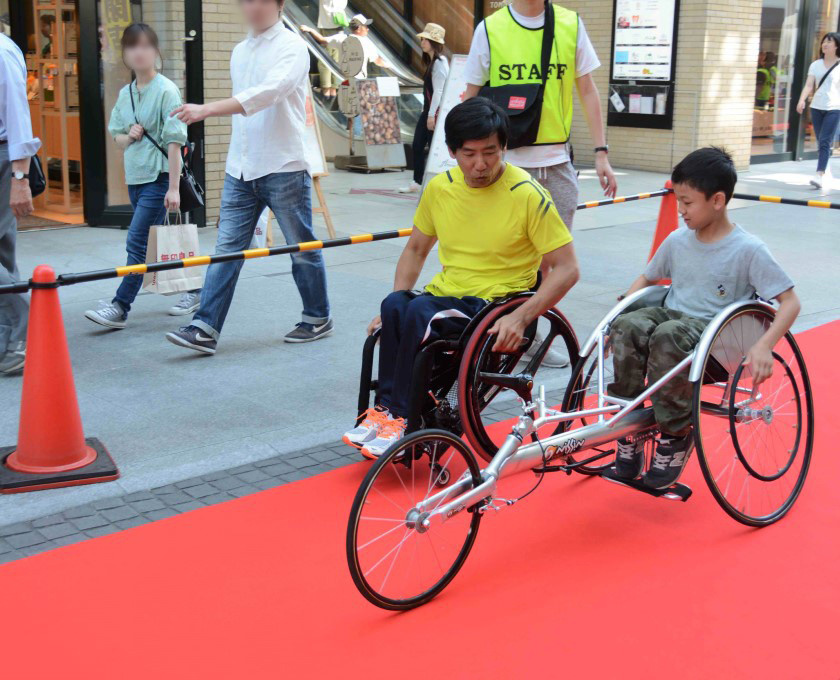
(562, 183)
(14, 309)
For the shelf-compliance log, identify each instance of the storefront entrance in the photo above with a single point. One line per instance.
(789, 42)
(75, 71)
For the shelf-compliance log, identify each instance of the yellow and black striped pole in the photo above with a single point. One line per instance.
(788, 201)
(623, 199)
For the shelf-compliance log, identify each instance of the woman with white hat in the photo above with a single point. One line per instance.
(437, 69)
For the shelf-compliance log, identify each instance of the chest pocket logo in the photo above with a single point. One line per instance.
(721, 291)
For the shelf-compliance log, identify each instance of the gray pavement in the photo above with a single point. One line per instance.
(169, 417)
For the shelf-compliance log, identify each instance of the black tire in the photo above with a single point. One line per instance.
(736, 431)
(417, 451)
(474, 395)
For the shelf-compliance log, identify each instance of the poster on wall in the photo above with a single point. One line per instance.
(454, 90)
(642, 68)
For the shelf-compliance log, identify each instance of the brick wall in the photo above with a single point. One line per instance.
(222, 29)
(715, 90)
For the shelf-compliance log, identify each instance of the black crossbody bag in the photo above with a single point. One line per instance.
(523, 102)
(192, 194)
(37, 180)
(825, 75)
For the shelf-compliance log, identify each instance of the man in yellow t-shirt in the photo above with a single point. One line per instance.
(493, 225)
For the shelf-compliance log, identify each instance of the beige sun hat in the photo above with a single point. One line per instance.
(434, 32)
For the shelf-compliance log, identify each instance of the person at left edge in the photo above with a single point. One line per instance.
(266, 166)
(17, 146)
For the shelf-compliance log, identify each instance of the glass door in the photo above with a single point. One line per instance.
(178, 25)
(823, 19)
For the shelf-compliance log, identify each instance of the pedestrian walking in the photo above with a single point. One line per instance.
(17, 146)
(432, 42)
(140, 115)
(824, 83)
(266, 166)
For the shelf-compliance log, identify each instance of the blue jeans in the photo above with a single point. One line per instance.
(147, 201)
(287, 194)
(825, 130)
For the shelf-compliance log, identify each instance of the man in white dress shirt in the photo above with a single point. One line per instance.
(17, 146)
(266, 166)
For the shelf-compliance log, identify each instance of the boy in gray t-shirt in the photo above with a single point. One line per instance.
(711, 263)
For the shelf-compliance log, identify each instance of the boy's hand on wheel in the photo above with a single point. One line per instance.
(509, 332)
(760, 361)
(374, 325)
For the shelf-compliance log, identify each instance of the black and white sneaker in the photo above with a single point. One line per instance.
(669, 461)
(192, 338)
(629, 458)
(307, 332)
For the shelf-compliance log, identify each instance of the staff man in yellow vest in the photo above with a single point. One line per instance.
(506, 50)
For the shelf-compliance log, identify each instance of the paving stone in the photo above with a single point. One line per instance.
(101, 531)
(276, 469)
(188, 483)
(171, 499)
(156, 515)
(108, 503)
(131, 522)
(5, 548)
(200, 491)
(324, 456)
(270, 483)
(55, 531)
(81, 511)
(216, 498)
(169, 488)
(138, 496)
(19, 541)
(252, 477)
(117, 514)
(92, 522)
(32, 550)
(215, 476)
(241, 491)
(302, 462)
(296, 475)
(187, 507)
(10, 557)
(267, 462)
(241, 469)
(12, 529)
(226, 483)
(69, 540)
(146, 506)
(48, 520)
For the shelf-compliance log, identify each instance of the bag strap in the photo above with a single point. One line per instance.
(134, 111)
(547, 43)
(826, 74)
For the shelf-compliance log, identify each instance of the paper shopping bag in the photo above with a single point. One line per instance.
(262, 233)
(169, 242)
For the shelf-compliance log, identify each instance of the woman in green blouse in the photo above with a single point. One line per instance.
(152, 178)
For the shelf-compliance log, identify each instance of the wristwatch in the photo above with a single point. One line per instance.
(605, 149)
(17, 174)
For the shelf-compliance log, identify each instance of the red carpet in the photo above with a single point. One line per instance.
(583, 579)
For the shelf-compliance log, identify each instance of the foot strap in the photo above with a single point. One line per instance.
(675, 492)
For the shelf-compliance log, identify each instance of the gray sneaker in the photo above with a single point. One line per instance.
(307, 332)
(110, 315)
(14, 358)
(552, 358)
(188, 303)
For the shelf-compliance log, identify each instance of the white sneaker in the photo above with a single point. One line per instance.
(391, 430)
(187, 304)
(412, 188)
(552, 358)
(366, 431)
(817, 182)
(110, 315)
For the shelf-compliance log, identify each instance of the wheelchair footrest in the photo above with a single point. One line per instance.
(675, 492)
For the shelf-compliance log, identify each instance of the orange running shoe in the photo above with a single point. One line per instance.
(367, 430)
(390, 430)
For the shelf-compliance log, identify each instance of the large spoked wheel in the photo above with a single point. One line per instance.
(396, 561)
(582, 393)
(754, 443)
(550, 337)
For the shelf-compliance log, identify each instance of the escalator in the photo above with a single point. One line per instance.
(395, 39)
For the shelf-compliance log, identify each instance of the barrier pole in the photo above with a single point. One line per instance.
(788, 201)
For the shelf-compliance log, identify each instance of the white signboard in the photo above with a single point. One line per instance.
(312, 145)
(644, 39)
(439, 159)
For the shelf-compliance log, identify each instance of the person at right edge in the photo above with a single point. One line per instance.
(17, 146)
(507, 50)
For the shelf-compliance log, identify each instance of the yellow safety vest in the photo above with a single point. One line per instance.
(515, 53)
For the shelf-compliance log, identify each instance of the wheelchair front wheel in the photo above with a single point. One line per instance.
(754, 444)
(395, 562)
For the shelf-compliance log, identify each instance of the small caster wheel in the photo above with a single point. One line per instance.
(441, 474)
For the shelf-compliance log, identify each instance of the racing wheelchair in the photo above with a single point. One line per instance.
(417, 512)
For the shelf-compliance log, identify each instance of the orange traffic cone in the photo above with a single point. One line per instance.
(667, 221)
(52, 450)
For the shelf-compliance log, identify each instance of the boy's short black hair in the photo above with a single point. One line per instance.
(709, 170)
(476, 118)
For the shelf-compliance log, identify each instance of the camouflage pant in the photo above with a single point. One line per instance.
(650, 342)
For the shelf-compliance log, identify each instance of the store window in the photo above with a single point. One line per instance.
(825, 20)
(774, 97)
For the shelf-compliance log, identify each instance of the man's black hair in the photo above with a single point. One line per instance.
(476, 118)
(708, 170)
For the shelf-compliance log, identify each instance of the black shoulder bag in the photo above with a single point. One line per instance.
(523, 102)
(37, 181)
(192, 194)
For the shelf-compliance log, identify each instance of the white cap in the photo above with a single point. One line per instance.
(362, 19)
